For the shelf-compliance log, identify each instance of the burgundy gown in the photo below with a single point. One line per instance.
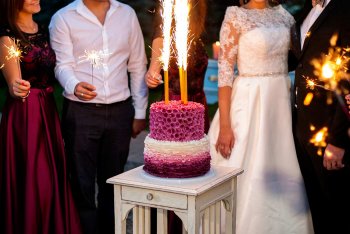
(35, 196)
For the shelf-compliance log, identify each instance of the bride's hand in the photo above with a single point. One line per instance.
(225, 142)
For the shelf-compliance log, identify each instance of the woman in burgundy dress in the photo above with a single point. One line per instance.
(35, 197)
(197, 59)
(196, 68)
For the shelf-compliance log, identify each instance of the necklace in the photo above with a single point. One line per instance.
(28, 28)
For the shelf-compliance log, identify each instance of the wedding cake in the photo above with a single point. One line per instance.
(176, 146)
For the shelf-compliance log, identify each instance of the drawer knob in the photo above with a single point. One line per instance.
(149, 196)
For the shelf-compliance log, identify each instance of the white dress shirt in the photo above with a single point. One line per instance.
(310, 20)
(75, 29)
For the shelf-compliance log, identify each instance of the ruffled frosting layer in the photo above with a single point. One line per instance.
(177, 167)
(172, 148)
(176, 121)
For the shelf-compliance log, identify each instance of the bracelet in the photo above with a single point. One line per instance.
(26, 95)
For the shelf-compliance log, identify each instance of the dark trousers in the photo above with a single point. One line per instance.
(328, 193)
(97, 138)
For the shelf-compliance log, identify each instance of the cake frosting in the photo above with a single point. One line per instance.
(176, 146)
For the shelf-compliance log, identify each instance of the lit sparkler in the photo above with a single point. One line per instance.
(167, 14)
(333, 67)
(312, 84)
(95, 58)
(14, 52)
(181, 36)
(319, 140)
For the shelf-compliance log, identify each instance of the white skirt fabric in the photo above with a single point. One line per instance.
(271, 195)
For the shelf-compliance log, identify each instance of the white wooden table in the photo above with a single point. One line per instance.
(193, 200)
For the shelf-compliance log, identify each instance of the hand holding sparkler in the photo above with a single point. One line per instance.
(20, 89)
(153, 79)
(95, 58)
(10, 57)
(333, 157)
(85, 91)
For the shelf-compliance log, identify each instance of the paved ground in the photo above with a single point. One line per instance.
(135, 159)
(136, 151)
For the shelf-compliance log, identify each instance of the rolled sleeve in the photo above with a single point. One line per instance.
(137, 68)
(63, 47)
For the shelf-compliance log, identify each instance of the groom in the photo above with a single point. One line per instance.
(327, 177)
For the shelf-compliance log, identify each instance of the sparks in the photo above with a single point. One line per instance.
(95, 58)
(182, 8)
(332, 67)
(319, 139)
(14, 50)
(167, 13)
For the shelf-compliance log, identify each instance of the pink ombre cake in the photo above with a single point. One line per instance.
(176, 146)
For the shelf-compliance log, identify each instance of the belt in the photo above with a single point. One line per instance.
(100, 104)
(266, 74)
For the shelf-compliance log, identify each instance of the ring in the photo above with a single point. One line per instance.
(82, 94)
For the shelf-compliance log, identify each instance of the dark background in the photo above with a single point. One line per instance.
(145, 10)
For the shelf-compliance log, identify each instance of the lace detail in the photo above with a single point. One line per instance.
(257, 40)
(38, 59)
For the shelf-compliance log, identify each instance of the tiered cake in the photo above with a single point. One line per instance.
(176, 146)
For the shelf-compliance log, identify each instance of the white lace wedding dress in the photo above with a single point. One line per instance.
(271, 196)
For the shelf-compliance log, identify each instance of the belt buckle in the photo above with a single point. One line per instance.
(98, 104)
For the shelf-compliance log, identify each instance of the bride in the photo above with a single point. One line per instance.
(252, 128)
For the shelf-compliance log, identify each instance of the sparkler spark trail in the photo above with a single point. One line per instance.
(312, 83)
(14, 52)
(181, 36)
(319, 140)
(332, 67)
(95, 58)
(166, 14)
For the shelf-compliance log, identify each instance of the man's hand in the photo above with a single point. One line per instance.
(333, 157)
(85, 91)
(138, 126)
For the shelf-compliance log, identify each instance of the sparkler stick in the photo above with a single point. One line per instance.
(167, 13)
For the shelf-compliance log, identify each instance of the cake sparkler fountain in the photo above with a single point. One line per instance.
(176, 146)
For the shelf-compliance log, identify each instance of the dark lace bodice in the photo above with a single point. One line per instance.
(38, 59)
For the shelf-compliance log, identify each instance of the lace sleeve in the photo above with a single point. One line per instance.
(288, 18)
(229, 35)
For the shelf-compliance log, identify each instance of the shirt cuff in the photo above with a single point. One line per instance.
(140, 114)
(70, 86)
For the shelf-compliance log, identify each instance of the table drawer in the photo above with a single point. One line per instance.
(154, 197)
